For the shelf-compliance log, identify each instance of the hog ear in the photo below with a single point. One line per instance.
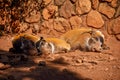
(92, 32)
(91, 41)
(22, 38)
(39, 42)
(41, 38)
(43, 41)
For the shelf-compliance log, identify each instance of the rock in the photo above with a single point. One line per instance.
(73, 1)
(55, 26)
(107, 0)
(23, 27)
(109, 27)
(117, 12)
(87, 65)
(113, 26)
(2, 21)
(84, 19)
(15, 26)
(3, 66)
(79, 61)
(95, 4)
(29, 31)
(49, 11)
(118, 67)
(47, 26)
(36, 28)
(106, 69)
(116, 26)
(42, 63)
(59, 2)
(83, 6)
(105, 9)
(61, 25)
(46, 14)
(33, 17)
(118, 37)
(75, 22)
(111, 58)
(46, 2)
(114, 3)
(67, 9)
(27, 78)
(39, 1)
(94, 62)
(94, 19)
(61, 60)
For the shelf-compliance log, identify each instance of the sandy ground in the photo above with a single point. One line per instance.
(75, 65)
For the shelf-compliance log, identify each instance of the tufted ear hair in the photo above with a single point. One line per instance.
(41, 38)
(22, 39)
(43, 42)
(93, 32)
(39, 44)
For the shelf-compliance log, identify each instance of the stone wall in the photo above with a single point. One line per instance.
(55, 17)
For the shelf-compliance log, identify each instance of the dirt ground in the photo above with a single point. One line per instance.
(75, 65)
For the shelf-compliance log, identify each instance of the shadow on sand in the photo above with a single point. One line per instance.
(46, 72)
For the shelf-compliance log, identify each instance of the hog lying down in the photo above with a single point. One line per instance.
(84, 39)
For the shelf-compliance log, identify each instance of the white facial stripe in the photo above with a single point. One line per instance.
(22, 45)
(100, 42)
(87, 42)
(52, 47)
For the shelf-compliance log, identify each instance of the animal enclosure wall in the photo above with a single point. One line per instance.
(55, 17)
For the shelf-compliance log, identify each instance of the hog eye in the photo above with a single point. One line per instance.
(101, 39)
(37, 47)
(42, 43)
(94, 42)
